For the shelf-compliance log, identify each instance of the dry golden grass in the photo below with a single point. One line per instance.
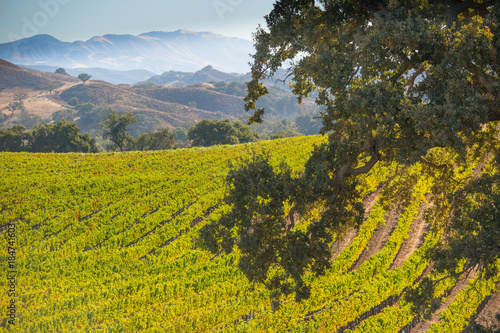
(40, 103)
(42, 106)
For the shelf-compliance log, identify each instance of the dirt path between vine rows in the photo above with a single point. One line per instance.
(487, 316)
(462, 283)
(379, 238)
(368, 203)
(418, 231)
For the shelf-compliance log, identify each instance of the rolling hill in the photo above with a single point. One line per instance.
(103, 74)
(12, 76)
(168, 106)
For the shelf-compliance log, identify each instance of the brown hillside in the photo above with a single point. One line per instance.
(12, 76)
(205, 99)
(170, 110)
(123, 98)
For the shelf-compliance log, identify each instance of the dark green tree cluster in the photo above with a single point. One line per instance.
(161, 139)
(18, 102)
(209, 132)
(67, 114)
(232, 88)
(61, 71)
(401, 82)
(84, 77)
(62, 137)
(114, 128)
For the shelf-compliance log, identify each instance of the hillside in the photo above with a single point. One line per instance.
(169, 106)
(167, 112)
(108, 242)
(203, 98)
(103, 74)
(204, 75)
(12, 76)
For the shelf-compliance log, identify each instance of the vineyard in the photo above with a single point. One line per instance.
(107, 243)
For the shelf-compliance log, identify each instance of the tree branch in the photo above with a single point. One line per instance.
(434, 166)
(411, 80)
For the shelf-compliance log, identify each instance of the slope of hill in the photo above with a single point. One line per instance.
(198, 97)
(204, 75)
(167, 112)
(108, 242)
(103, 74)
(168, 106)
(123, 98)
(210, 74)
(155, 51)
(12, 76)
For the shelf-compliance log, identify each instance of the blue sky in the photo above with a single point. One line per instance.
(70, 20)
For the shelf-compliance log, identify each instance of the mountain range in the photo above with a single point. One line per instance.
(156, 52)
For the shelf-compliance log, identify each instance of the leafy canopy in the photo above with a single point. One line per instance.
(84, 77)
(209, 132)
(63, 137)
(114, 128)
(402, 82)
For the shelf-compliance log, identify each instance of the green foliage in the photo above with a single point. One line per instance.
(84, 77)
(309, 123)
(62, 137)
(209, 132)
(27, 119)
(232, 88)
(474, 232)
(90, 115)
(244, 133)
(67, 114)
(114, 233)
(182, 134)
(266, 237)
(73, 101)
(144, 124)
(16, 138)
(114, 128)
(389, 96)
(284, 129)
(61, 71)
(159, 140)
(50, 86)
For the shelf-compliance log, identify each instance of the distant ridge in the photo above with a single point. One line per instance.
(206, 74)
(156, 51)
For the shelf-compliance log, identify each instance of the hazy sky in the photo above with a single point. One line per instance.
(70, 20)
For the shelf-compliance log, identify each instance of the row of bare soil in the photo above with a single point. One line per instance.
(487, 311)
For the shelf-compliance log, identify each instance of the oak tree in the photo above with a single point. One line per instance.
(404, 83)
(114, 128)
(84, 77)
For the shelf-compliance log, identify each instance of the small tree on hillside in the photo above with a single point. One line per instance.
(84, 77)
(18, 103)
(51, 86)
(61, 71)
(115, 129)
(20, 96)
